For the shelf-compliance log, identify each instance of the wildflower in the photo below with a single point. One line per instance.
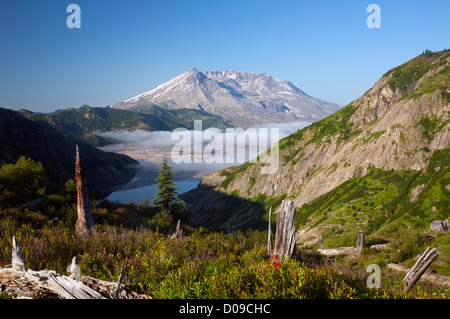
(275, 257)
(277, 265)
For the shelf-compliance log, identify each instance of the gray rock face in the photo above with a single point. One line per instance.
(242, 98)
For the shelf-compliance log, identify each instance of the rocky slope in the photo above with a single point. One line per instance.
(241, 98)
(397, 124)
(41, 142)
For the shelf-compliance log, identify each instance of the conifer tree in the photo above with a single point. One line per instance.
(167, 196)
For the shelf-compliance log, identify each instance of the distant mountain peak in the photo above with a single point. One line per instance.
(240, 97)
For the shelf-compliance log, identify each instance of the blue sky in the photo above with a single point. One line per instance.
(124, 48)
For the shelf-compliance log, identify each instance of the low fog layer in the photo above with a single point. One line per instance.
(194, 154)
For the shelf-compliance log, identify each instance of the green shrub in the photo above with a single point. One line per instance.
(22, 181)
(409, 244)
(162, 221)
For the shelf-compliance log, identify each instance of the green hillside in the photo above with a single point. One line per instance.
(382, 201)
(83, 122)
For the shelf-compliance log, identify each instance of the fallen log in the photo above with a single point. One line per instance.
(336, 251)
(26, 283)
(437, 279)
(47, 284)
(424, 261)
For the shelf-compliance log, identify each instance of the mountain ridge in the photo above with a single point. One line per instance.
(397, 124)
(85, 121)
(42, 142)
(240, 97)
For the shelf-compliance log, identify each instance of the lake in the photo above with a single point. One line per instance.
(136, 195)
(230, 148)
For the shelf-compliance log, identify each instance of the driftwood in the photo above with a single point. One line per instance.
(285, 231)
(85, 223)
(27, 283)
(424, 261)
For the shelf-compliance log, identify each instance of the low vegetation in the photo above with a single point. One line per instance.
(335, 124)
(405, 77)
(205, 263)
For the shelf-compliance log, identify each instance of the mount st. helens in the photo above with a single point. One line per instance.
(393, 131)
(241, 98)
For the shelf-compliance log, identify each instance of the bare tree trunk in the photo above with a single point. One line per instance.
(85, 224)
(322, 246)
(18, 262)
(285, 232)
(359, 242)
(178, 232)
(118, 288)
(419, 268)
(269, 235)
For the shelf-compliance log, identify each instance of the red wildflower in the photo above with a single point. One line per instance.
(277, 265)
(275, 257)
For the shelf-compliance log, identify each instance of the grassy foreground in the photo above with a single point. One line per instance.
(204, 264)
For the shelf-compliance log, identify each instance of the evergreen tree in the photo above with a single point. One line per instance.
(167, 196)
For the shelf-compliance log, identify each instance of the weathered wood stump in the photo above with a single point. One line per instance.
(285, 231)
(269, 235)
(18, 262)
(359, 242)
(178, 232)
(322, 246)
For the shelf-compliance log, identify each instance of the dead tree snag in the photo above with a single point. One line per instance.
(285, 231)
(85, 224)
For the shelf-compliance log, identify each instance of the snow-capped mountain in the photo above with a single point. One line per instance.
(241, 98)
